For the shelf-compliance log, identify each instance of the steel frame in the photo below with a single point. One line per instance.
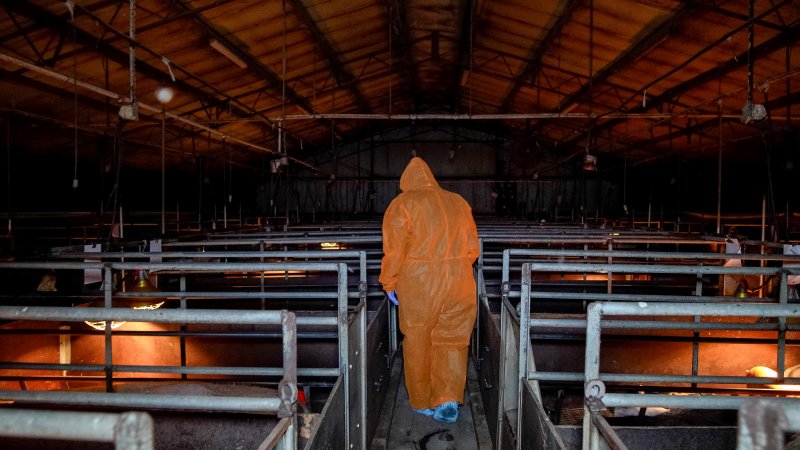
(352, 359)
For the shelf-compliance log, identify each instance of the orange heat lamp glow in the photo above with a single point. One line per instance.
(142, 284)
(766, 372)
(330, 246)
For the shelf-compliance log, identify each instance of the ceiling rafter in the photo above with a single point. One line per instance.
(533, 65)
(343, 76)
(252, 62)
(634, 52)
(737, 62)
(401, 45)
(464, 54)
(102, 47)
(744, 17)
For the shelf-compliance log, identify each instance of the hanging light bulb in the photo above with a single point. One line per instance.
(589, 162)
(164, 94)
(142, 284)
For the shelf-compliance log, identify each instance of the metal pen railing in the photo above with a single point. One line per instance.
(127, 431)
(643, 304)
(597, 398)
(283, 404)
(349, 322)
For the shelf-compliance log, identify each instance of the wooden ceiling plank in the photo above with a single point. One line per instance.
(343, 77)
(533, 65)
(765, 48)
(251, 61)
(630, 55)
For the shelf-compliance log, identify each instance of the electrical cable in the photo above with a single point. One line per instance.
(75, 93)
(113, 196)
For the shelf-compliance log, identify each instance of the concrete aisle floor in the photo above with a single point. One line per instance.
(400, 428)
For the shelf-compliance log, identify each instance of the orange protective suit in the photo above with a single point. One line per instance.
(429, 244)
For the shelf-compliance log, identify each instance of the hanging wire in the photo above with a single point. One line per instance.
(283, 65)
(132, 59)
(75, 98)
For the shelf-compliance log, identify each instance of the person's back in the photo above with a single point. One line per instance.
(430, 242)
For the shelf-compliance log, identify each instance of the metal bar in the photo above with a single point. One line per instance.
(108, 281)
(608, 433)
(231, 294)
(687, 401)
(524, 342)
(647, 378)
(680, 309)
(644, 268)
(266, 405)
(78, 426)
(659, 325)
(361, 354)
(344, 345)
(644, 254)
(323, 254)
(276, 434)
(550, 295)
(591, 369)
(175, 266)
(763, 423)
(215, 316)
(194, 370)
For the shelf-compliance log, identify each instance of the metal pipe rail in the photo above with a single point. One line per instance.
(349, 321)
(643, 305)
(271, 405)
(763, 423)
(595, 389)
(128, 431)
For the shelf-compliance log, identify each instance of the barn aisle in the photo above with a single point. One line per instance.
(400, 428)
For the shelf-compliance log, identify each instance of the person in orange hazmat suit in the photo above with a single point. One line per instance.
(429, 244)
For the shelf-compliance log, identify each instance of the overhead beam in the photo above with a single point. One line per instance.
(634, 52)
(142, 106)
(344, 78)
(256, 65)
(533, 66)
(738, 61)
(88, 41)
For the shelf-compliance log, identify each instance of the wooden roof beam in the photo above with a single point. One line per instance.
(252, 62)
(634, 52)
(464, 54)
(738, 61)
(343, 77)
(401, 45)
(62, 24)
(533, 66)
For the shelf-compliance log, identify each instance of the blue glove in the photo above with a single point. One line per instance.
(392, 297)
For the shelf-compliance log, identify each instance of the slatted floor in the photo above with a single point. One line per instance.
(400, 428)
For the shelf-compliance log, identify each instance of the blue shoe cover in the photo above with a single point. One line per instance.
(446, 412)
(425, 412)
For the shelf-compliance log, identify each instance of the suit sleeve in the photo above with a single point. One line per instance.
(395, 234)
(473, 246)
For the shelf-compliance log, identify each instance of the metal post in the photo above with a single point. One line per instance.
(107, 303)
(592, 370)
(182, 288)
(344, 345)
(524, 342)
(163, 173)
(783, 298)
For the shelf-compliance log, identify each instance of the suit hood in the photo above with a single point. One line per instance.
(417, 175)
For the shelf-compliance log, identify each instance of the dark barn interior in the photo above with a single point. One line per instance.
(194, 193)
